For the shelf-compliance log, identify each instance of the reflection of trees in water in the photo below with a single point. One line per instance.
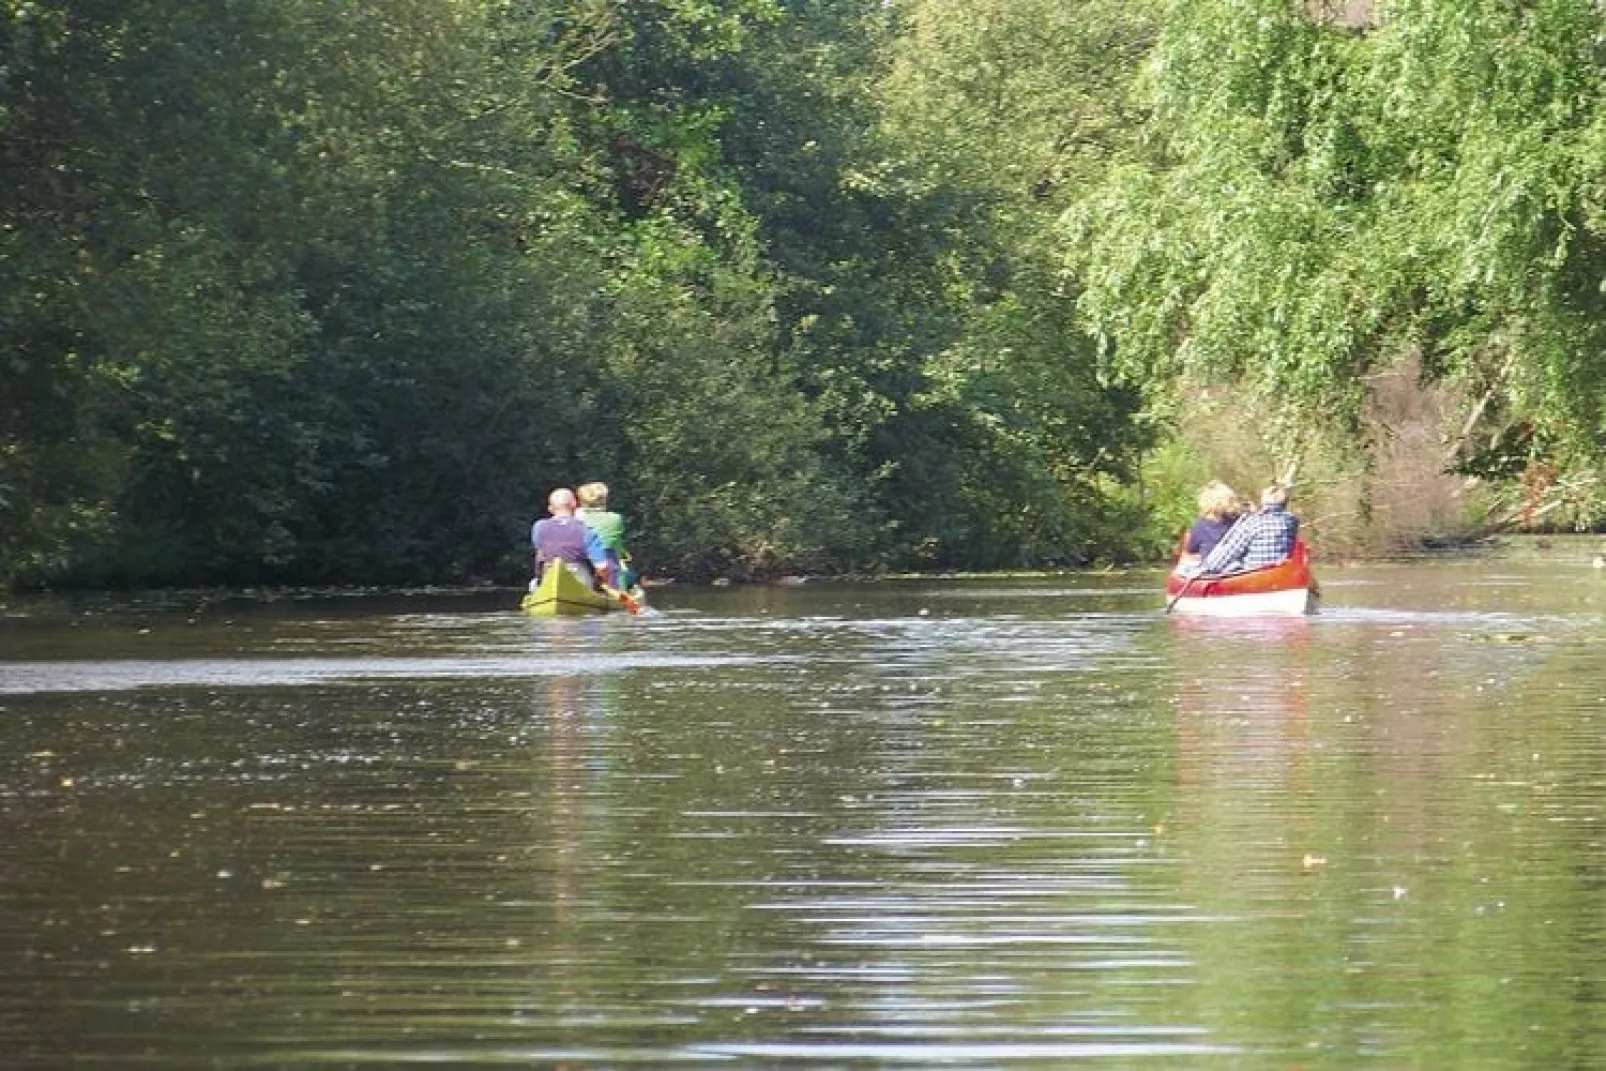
(1255, 826)
(1358, 818)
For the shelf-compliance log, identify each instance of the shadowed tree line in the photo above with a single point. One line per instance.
(311, 292)
(302, 291)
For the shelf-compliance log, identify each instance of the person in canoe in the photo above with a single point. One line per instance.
(610, 528)
(565, 538)
(1264, 537)
(1219, 508)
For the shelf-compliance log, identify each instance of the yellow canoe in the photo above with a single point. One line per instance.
(562, 594)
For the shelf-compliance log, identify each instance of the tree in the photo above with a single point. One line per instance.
(1318, 201)
(997, 116)
(300, 282)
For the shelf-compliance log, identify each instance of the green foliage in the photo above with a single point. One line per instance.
(996, 114)
(283, 291)
(1017, 97)
(309, 292)
(724, 474)
(303, 292)
(1316, 201)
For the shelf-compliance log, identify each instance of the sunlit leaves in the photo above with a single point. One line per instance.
(1319, 199)
(997, 115)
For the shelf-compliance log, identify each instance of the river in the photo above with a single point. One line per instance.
(968, 823)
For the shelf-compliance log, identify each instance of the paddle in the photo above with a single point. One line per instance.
(623, 598)
(1173, 600)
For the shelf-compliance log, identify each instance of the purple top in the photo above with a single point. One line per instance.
(1205, 533)
(567, 539)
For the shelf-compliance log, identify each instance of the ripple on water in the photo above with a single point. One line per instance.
(20, 678)
(1007, 832)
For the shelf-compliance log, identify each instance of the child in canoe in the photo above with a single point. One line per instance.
(610, 529)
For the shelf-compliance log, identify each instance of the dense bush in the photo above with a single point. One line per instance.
(307, 292)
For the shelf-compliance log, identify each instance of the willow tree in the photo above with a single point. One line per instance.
(1318, 199)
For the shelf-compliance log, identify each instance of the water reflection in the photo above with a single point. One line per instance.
(1335, 813)
(568, 717)
(1034, 823)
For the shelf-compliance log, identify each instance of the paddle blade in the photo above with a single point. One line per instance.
(625, 599)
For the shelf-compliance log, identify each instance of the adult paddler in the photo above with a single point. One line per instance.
(565, 538)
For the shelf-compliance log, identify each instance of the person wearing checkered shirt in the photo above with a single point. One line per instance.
(1262, 538)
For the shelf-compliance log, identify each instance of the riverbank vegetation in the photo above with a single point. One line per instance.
(302, 292)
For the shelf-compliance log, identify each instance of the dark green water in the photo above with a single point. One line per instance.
(971, 824)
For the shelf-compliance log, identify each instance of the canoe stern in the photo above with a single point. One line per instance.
(1287, 588)
(562, 594)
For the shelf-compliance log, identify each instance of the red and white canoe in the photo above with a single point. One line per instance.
(1285, 589)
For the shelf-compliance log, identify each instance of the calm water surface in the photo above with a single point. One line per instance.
(973, 824)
